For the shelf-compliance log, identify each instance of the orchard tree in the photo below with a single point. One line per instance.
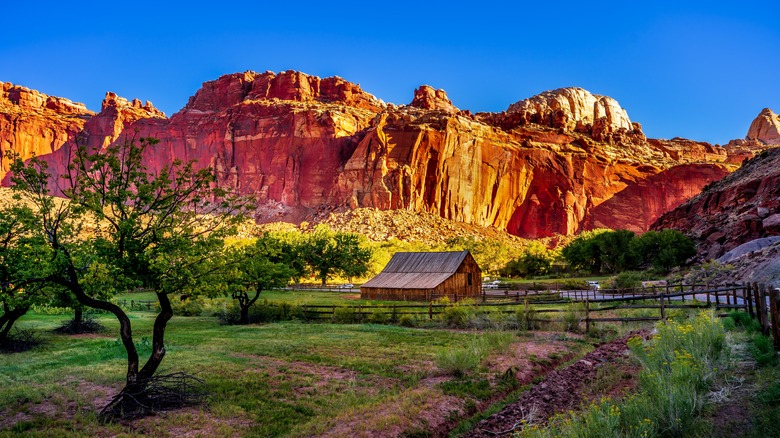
(266, 264)
(22, 258)
(152, 229)
(329, 253)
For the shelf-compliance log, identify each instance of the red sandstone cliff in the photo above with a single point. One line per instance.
(742, 207)
(560, 162)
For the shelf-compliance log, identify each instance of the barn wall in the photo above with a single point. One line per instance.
(391, 294)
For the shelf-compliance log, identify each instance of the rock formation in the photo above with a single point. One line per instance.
(427, 97)
(32, 123)
(303, 146)
(765, 128)
(742, 207)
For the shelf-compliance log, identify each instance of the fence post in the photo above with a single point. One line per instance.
(734, 292)
(587, 316)
(395, 315)
(663, 311)
(747, 292)
(717, 297)
(728, 298)
(765, 322)
(757, 302)
(773, 312)
(360, 313)
(709, 301)
(430, 310)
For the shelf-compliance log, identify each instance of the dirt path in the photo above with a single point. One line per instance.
(558, 392)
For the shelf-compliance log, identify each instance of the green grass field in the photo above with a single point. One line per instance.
(281, 379)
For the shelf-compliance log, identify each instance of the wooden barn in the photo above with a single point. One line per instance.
(426, 276)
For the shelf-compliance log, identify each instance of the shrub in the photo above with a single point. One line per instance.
(379, 316)
(743, 319)
(574, 285)
(572, 317)
(526, 318)
(457, 315)
(407, 320)
(626, 280)
(458, 362)
(188, 307)
(344, 315)
(763, 350)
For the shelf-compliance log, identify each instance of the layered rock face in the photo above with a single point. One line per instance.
(560, 162)
(742, 207)
(765, 128)
(34, 124)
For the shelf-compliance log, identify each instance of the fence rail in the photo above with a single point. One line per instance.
(760, 301)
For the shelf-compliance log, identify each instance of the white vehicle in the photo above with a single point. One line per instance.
(346, 286)
(594, 285)
(491, 284)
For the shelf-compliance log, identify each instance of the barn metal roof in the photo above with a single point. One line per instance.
(417, 270)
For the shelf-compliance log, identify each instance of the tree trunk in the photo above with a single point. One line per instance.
(158, 338)
(78, 318)
(125, 328)
(244, 315)
(7, 321)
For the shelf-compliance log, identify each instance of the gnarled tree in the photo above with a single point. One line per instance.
(151, 229)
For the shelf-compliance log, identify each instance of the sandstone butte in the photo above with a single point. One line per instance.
(558, 163)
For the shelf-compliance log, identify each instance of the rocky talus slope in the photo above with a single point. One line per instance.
(557, 163)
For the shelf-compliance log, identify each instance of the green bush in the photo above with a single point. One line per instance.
(456, 316)
(763, 350)
(344, 315)
(574, 285)
(744, 320)
(379, 316)
(407, 320)
(572, 317)
(458, 362)
(626, 280)
(189, 307)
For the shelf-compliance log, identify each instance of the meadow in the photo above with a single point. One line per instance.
(282, 379)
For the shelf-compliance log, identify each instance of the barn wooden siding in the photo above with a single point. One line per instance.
(426, 277)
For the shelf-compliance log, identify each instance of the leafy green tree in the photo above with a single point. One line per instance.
(155, 230)
(663, 250)
(330, 253)
(615, 251)
(268, 263)
(536, 260)
(584, 252)
(22, 256)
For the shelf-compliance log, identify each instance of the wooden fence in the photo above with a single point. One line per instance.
(760, 301)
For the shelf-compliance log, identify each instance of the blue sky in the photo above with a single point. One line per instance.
(700, 70)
